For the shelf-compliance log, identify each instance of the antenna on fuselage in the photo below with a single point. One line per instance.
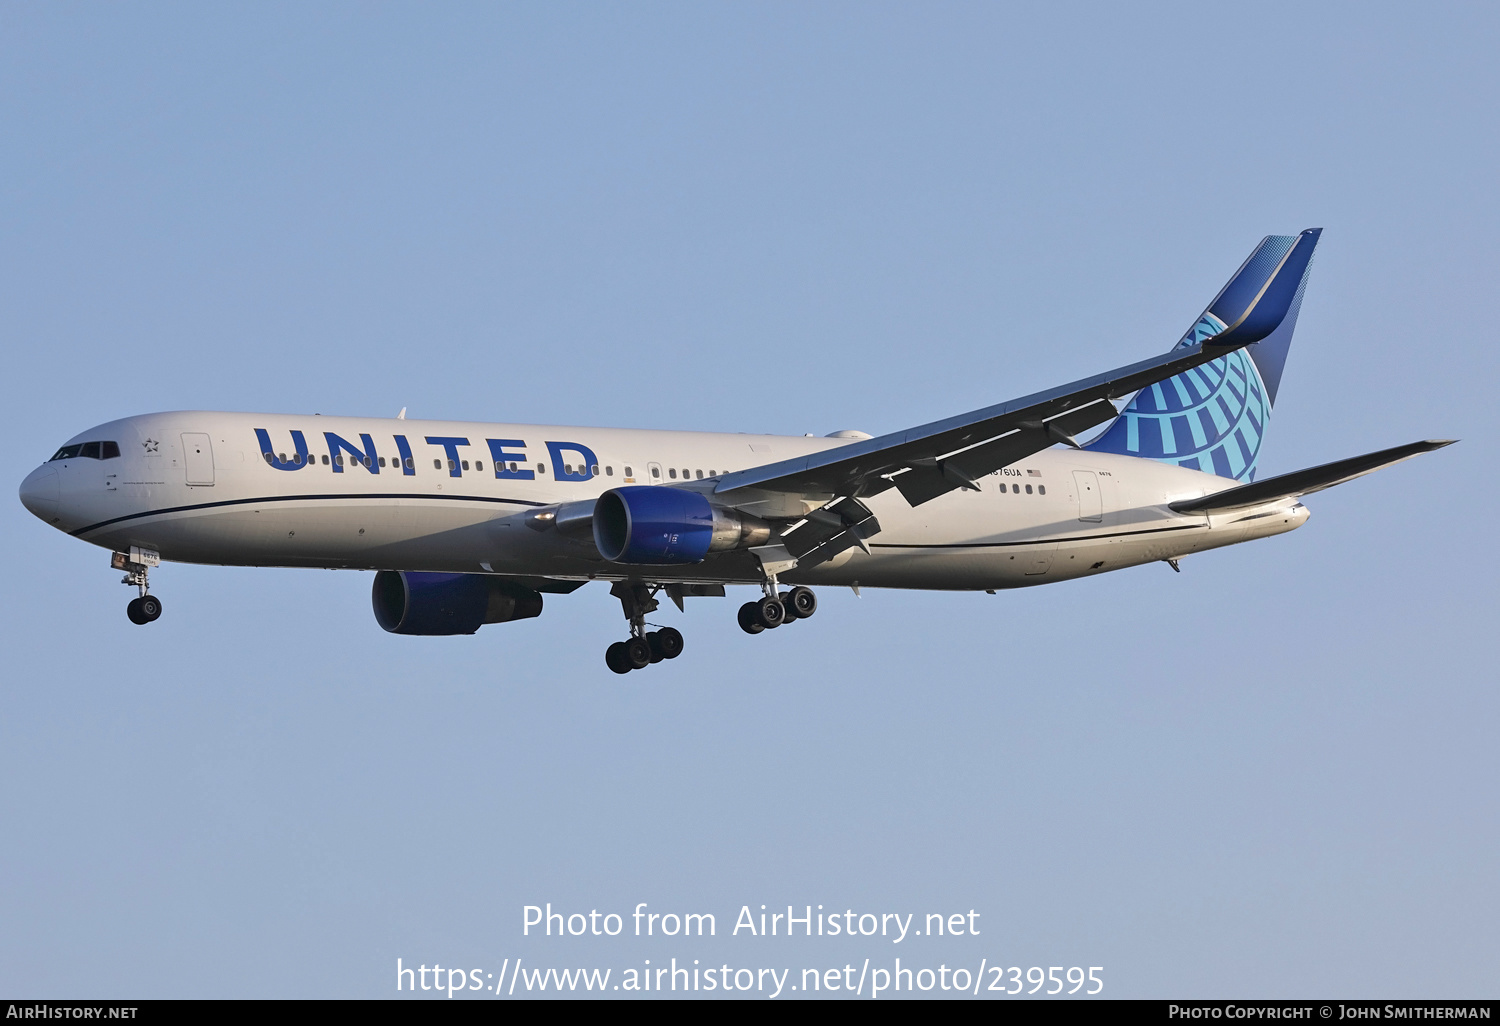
(402, 414)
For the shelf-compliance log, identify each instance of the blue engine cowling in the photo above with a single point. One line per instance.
(645, 524)
(427, 603)
(656, 525)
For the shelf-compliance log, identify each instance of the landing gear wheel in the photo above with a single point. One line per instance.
(616, 659)
(654, 640)
(133, 610)
(802, 600)
(669, 641)
(638, 653)
(769, 612)
(785, 598)
(748, 623)
(150, 607)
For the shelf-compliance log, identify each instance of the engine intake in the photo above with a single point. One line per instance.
(431, 604)
(656, 525)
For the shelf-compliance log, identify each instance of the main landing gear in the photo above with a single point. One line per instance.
(776, 609)
(643, 647)
(136, 563)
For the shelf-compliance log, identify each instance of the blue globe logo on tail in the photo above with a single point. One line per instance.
(1213, 418)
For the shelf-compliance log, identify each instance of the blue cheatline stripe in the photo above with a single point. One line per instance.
(302, 498)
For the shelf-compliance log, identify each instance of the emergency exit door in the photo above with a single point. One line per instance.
(1090, 503)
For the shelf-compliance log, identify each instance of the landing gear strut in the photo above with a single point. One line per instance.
(137, 563)
(643, 647)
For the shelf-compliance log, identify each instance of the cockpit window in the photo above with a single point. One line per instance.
(88, 451)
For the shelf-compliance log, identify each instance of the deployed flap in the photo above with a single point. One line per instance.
(1304, 482)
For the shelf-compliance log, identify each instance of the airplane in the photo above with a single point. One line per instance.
(467, 524)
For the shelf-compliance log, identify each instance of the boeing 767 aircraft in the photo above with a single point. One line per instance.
(469, 524)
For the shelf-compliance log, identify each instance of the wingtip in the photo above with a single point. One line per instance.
(1438, 443)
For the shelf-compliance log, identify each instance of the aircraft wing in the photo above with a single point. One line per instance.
(1304, 482)
(927, 461)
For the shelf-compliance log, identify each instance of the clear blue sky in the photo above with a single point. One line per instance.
(1273, 774)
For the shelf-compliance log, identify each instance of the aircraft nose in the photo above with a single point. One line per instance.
(40, 493)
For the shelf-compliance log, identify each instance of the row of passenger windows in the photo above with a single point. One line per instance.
(88, 451)
(1015, 488)
(296, 460)
(437, 464)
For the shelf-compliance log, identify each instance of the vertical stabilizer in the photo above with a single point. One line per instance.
(1213, 418)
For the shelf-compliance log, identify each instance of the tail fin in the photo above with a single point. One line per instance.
(1213, 418)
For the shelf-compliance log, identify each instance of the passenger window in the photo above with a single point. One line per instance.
(367, 462)
(656, 472)
(712, 472)
(1041, 489)
(609, 471)
(437, 464)
(325, 461)
(410, 465)
(686, 473)
(479, 464)
(1028, 489)
(672, 473)
(281, 456)
(466, 464)
(594, 470)
(541, 468)
(382, 461)
(1016, 488)
(111, 450)
(700, 475)
(339, 460)
(629, 472)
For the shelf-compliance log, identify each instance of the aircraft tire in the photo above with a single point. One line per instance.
(150, 607)
(638, 653)
(654, 640)
(669, 640)
(615, 658)
(748, 623)
(770, 613)
(133, 610)
(803, 601)
(785, 599)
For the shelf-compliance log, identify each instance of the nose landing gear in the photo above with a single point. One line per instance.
(643, 647)
(137, 563)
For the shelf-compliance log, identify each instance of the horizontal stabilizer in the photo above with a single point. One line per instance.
(1303, 482)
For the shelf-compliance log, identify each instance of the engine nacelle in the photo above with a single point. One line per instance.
(426, 603)
(656, 525)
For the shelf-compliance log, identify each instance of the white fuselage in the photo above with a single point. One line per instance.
(196, 487)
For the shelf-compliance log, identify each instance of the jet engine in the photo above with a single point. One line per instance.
(428, 603)
(645, 524)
